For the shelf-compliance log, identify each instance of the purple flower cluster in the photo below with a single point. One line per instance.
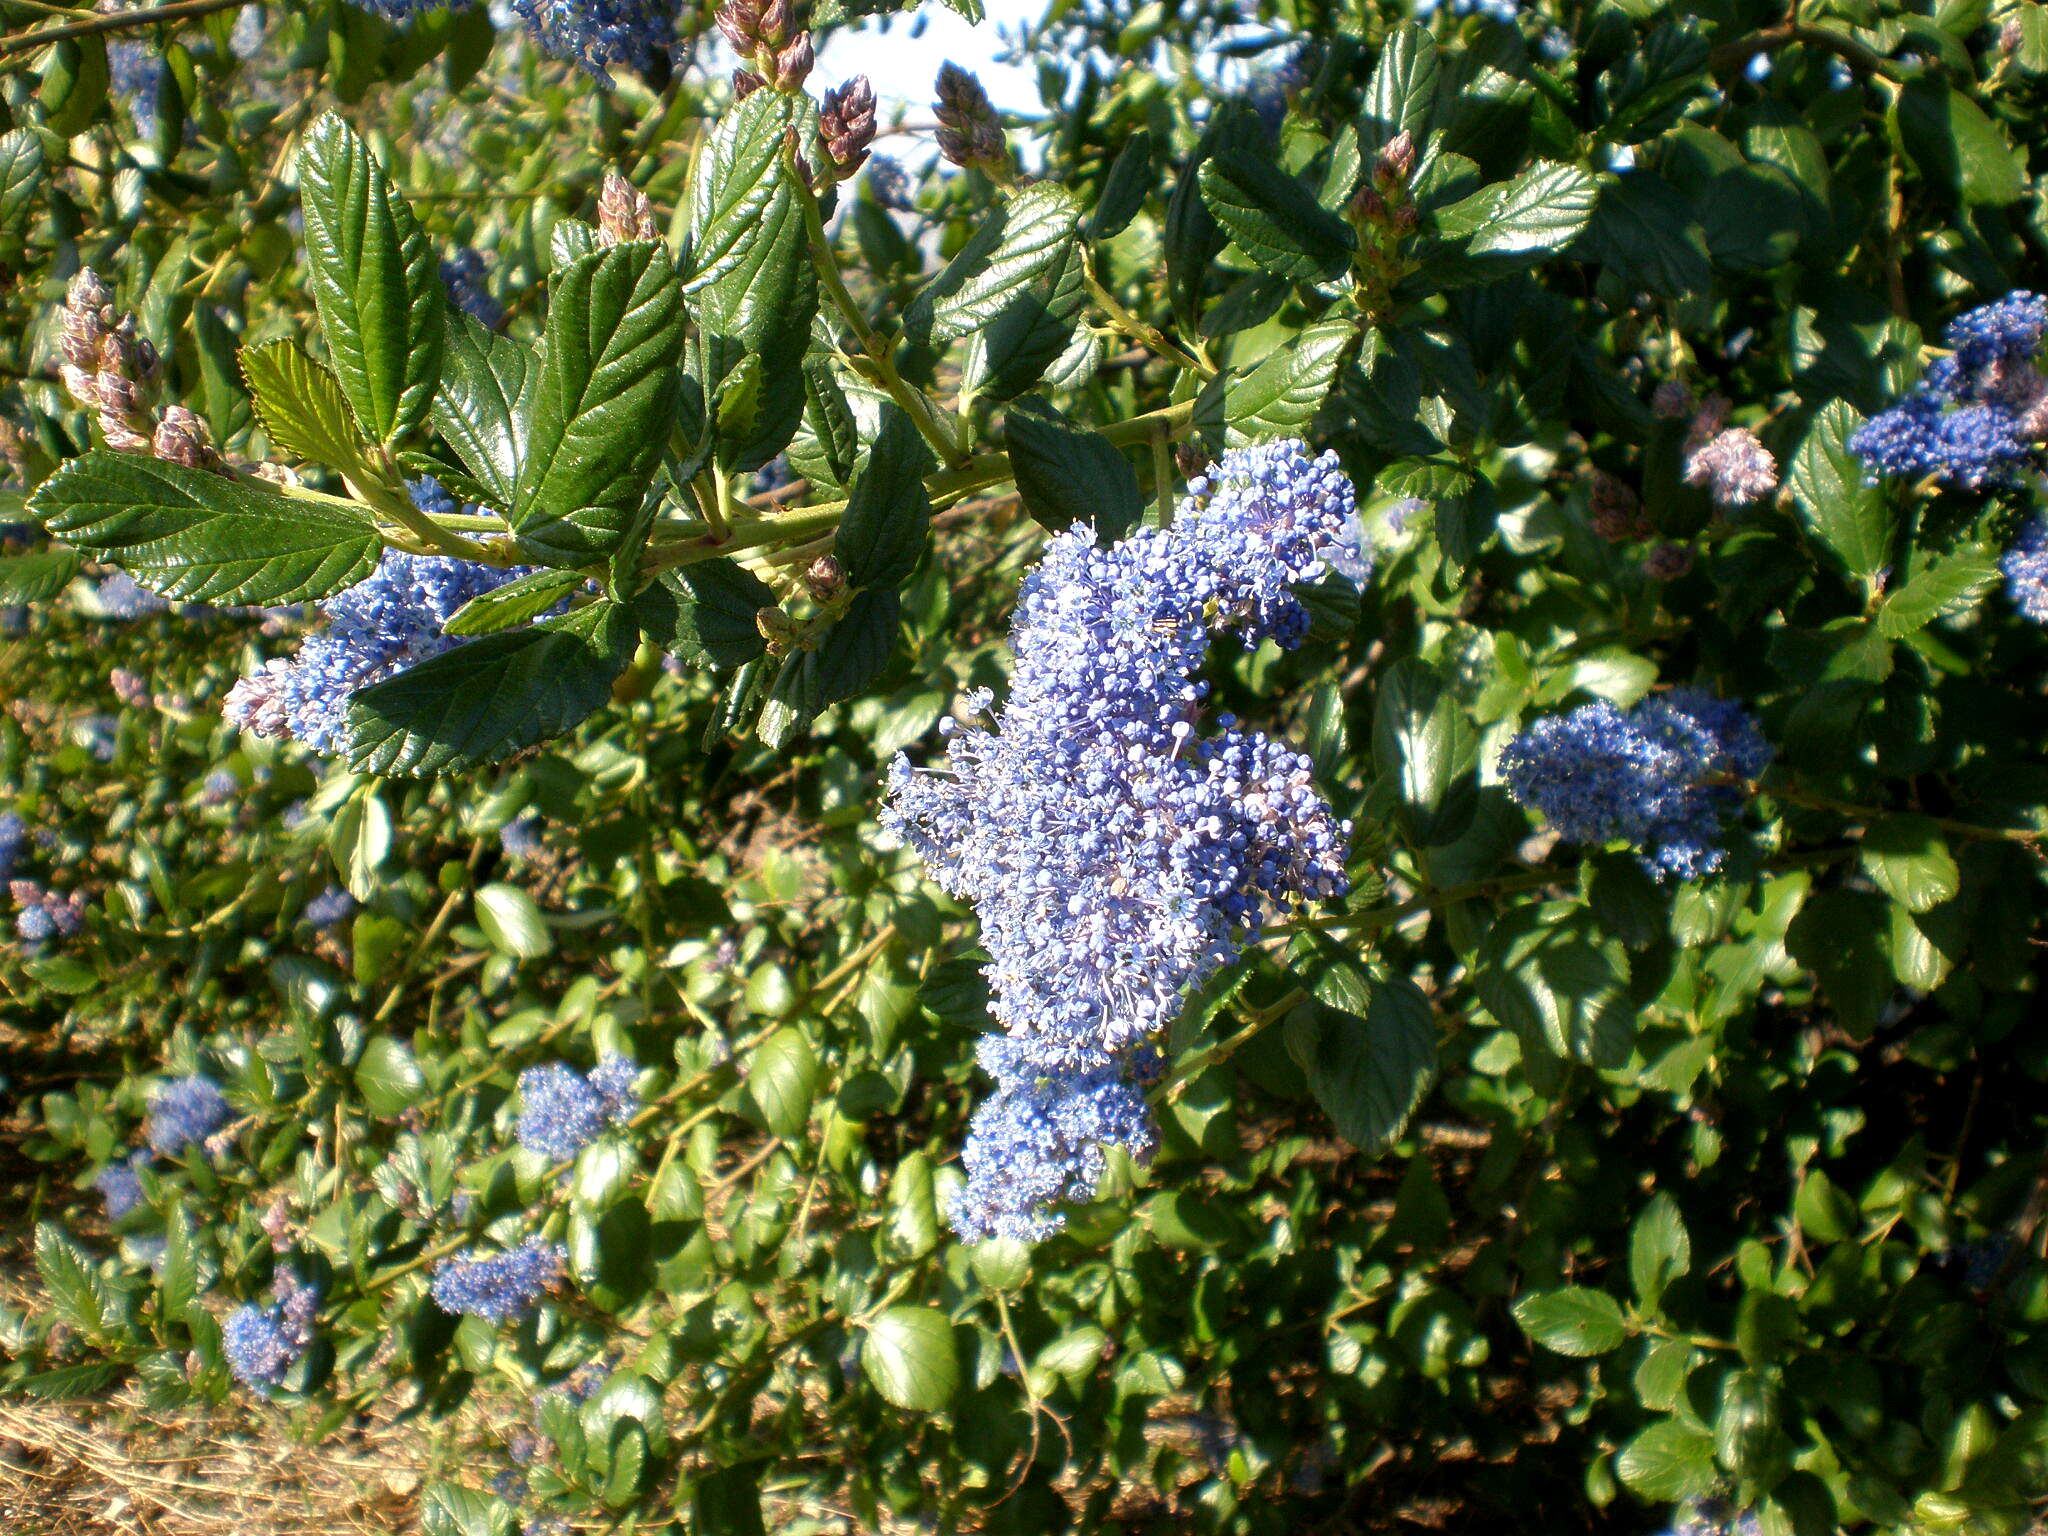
(120, 1185)
(374, 630)
(597, 34)
(2026, 570)
(1118, 858)
(463, 275)
(889, 183)
(1646, 777)
(562, 1111)
(331, 906)
(43, 915)
(13, 833)
(501, 1287)
(1978, 417)
(184, 1111)
(263, 1343)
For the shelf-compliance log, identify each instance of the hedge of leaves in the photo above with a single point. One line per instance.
(1652, 1136)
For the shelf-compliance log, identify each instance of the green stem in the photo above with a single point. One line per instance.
(119, 21)
(1149, 337)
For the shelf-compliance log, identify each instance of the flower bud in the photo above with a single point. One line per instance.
(777, 21)
(825, 579)
(847, 119)
(970, 133)
(624, 212)
(775, 626)
(1368, 207)
(87, 293)
(1404, 219)
(793, 63)
(181, 438)
(121, 437)
(740, 21)
(744, 83)
(1396, 162)
(1667, 562)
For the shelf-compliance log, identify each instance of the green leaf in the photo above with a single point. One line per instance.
(513, 604)
(21, 180)
(485, 405)
(302, 407)
(1910, 862)
(1824, 1212)
(1573, 1321)
(1274, 219)
(888, 517)
(74, 1286)
(1401, 96)
(727, 1503)
(1067, 474)
(1945, 585)
(754, 289)
(1193, 238)
(1281, 396)
(1645, 231)
(782, 1079)
(448, 1509)
(374, 281)
(1852, 520)
(1017, 242)
(1954, 145)
(1840, 936)
(1123, 189)
(388, 1076)
(1029, 334)
(201, 537)
(1369, 1073)
(602, 402)
(1669, 1460)
(488, 698)
(1424, 743)
(1521, 221)
(38, 577)
(512, 921)
(704, 613)
(909, 1356)
(359, 840)
(848, 657)
(827, 445)
(1548, 972)
(1659, 1249)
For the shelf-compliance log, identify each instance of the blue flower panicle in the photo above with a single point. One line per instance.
(597, 34)
(1116, 856)
(375, 630)
(562, 1111)
(1978, 417)
(1657, 776)
(1038, 1142)
(262, 1344)
(120, 1185)
(2026, 570)
(331, 906)
(184, 1111)
(501, 1287)
(464, 276)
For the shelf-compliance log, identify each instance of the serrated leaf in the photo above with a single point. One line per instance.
(74, 1286)
(1193, 238)
(1849, 518)
(201, 537)
(374, 280)
(1274, 219)
(1023, 340)
(448, 1509)
(705, 613)
(38, 577)
(1540, 211)
(1401, 95)
(485, 404)
(388, 1076)
(848, 657)
(602, 402)
(1573, 1321)
(1949, 583)
(302, 407)
(21, 178)
(1548, 972)
(782, 1080)
(1281, 396)
(909, 1356)
(512, 604)
(1659, 1249)
(888, 516)
(1908, 858)
(1067, 474)
(1954, 145)
(1018, 242)
(1368, 1070)
(488, 698)
(1124, 188)
(827, 444)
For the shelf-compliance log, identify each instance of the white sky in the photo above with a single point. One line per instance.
(902, 61)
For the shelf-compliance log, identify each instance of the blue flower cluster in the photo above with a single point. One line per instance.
(597, 34)
(331, 906)
(1979, 415)
(262, 1344)
(120, 1185)
(184, 1111)
(118, 596)
(135, 74)
(45, 915)
(1646, 777)
(562, 1111)
(520, 838)
(1116, 856)
(502, 1286)
(2026, 570)
(1712, 1517)
(374, 630)
(463, 275)
(13, 834)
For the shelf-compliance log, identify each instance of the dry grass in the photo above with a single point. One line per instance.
(69, 1469)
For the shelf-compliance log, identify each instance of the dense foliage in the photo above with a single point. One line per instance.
(1306, 797)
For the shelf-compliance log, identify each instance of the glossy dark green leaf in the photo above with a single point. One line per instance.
(1573, 1321)
(705, 613)
(1549, 973)
(1125, 187)
(513, 604)
(827, 444)
(727, 1503)
(1954, 145)
(1645, 231)
(39, 576)
(1017, 243)
(846, 659)
(1669, 1460)
(1024, 340)
(1193, 238)
(1840, 936)
(909, 1356)
(1274, 219)
(1068, 474)
(488, 698)
(202, 537)
(1369, 1070)
(1849, 518)
(603, 400)
(1281, 396)
(72, 1282)
(781, 1075)
(1909, 859)
(485, 403)
(888, 517)
(1401, 95)
(1659, 1249)
(388, 1076)
(1523, 220)
(374, 280)
(21, 180)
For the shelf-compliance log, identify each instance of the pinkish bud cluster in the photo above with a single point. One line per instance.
(1729, 461)
(776, 49)
(1614, 509)
(846, 117)
(970, 134)
(624, 212)
(112, 371)
(825, 579)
